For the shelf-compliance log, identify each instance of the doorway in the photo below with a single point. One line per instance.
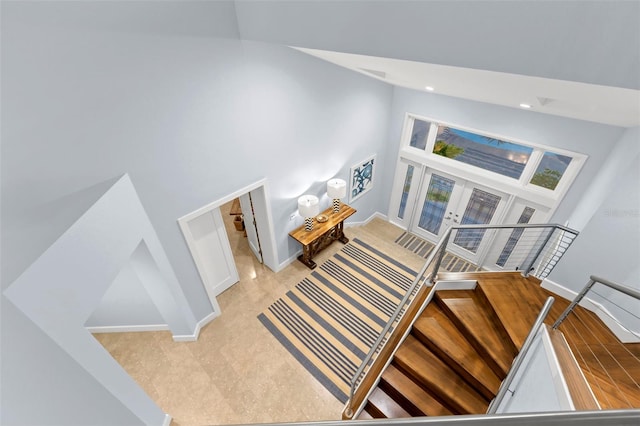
(209, 240)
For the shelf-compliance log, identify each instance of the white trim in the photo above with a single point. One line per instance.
(128, 328)
(289, 261)
(217, 203)
(270, 256)
(521, 187)
(366, 221)
(167, 420)
(457, 284)
(196, 333)
(557, 377)
(605, 316)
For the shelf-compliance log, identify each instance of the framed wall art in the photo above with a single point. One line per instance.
(361, 178)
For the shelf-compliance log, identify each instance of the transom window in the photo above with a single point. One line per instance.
(528, 165)
(495, 155)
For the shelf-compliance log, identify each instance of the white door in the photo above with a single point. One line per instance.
(246, 204)
(447, 201)
(211, 252)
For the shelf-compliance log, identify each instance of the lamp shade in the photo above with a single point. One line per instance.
(336, 188)
(308, 206)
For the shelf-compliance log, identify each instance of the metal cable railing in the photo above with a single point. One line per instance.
(529, 248)
(533, 249)
(613, 363)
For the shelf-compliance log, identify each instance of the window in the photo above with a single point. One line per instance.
(419, 134)
(505, 163)
(550, 170)
(506, 158)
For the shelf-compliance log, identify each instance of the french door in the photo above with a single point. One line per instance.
(445, 200)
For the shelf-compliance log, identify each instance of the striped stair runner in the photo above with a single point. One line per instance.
(330, 320)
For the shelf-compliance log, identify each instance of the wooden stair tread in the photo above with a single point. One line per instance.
(410, 395)
(579, 389)
(512, 302)
(430, 372)
(442, 337)
(483, 331)
(380, 406)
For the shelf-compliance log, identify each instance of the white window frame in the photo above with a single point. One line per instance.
(521, 187)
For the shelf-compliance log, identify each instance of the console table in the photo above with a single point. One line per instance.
(322, 234)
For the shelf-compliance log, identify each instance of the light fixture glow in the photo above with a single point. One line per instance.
(525, 106)
(429, 88)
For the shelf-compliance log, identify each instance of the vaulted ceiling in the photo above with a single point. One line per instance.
(578, 59)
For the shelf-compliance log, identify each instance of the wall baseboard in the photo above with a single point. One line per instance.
(366, 221)
(128, 328)
(289, 261)
(193, 337)
(167, 420)
(607, 318)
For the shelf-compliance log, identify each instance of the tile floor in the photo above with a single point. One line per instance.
(237, 372)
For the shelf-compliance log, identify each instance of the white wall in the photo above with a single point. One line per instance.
(126, 306)
(45, 309)
(190, 118)
(609, 244)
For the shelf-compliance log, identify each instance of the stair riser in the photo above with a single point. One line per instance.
(437, 390)
(398, 396)
(455, 366)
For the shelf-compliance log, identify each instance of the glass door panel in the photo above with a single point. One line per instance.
(480, 209)
(435, 203)
(438, 197)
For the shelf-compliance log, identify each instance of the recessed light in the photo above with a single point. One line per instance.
(525, 106)
(429, 88)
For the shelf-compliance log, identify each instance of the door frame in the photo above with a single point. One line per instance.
(461, 192)
(264, 222)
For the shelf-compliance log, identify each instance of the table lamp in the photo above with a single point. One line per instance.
(308, 207)
(336, 189)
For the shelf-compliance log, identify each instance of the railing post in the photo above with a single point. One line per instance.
(527, 268)
(573, 304)
(443, 250)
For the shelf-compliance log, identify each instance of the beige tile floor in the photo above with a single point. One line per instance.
(237, 372)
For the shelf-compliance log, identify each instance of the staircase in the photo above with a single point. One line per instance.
(459, 350)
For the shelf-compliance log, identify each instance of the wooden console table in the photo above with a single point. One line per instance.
(322, 234)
